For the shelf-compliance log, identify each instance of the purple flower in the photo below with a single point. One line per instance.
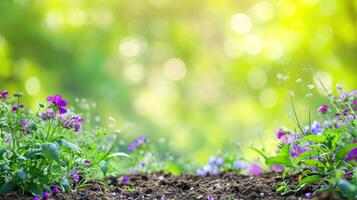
(200, 172)
(19, 107)
(209, 197)
(308, 195)
(86, 162)
(352, 155)
(45, 195)
(75, 176)
(4, 94)
(58, 102)
(316, 128)
(124, 179)
(296, 150)
(255, 170)
(213, 160)
(73, 122)
(348, 175)
(137, 142)
(36, 198)
(323, 109)
(25, 125)
(241, 165)
(55, 190)
(277, 168)
(282, 133)
(48, 114)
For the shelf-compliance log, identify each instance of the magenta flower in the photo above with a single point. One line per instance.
(45, 195)
(86, 162)
(36, 198)
(73, 122)
(4, 94)
(296, 150)
(352, 155)
(59, 103)
(255, 170)
(136, 143)
(124, 179)
(323, 109)
(282, 134)
(209, 197)
(277, 168)
(55, 190)
(75, 176)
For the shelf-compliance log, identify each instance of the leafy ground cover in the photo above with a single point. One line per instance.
(48, 153)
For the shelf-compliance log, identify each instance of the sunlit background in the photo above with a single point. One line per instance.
(198, 76)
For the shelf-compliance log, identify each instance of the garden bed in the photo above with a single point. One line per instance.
(167, 186)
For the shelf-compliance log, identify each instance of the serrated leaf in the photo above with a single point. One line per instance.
(305, 155)
(50, 151)
(6, 187)
(314, 138)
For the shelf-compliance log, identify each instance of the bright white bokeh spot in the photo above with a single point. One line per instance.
(241, 23)
(54, 19)
(134, 73)
(175, 69)
(252, 44)
(324, 78)
(263, 11)
(32, 86)
(130, 47)
(274, 49)
(268, 98)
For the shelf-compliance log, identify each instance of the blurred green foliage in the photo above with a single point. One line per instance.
(204, 75)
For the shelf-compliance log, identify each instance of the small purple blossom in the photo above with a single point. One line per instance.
(136, 143)
(19, 107)
(254, 169)
(213, 160)
(241, 165)
(283, 134)
(36, 198)
(316, 128)
(25, 125)
(200, 172)
(86, 162)
(277, 168)
(296, 150)
(209, 197)
(45, 195)
(55, 190)
(4, 94)
(308, 195)
(58, 102)
(348, 175)
(323, 109)
(75, 176)
(352, 155)
(124, 179)
(48, 114)
(73, 122)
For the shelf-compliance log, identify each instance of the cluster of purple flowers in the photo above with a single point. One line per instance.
(73, 122)
(58, 103)
(4, 94)
(25, 125)
(212, 168)
(136, 143)
(46, 195)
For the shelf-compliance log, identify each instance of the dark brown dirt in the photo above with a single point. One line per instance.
(159, 186)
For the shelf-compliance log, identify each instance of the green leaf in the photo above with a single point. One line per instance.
(119, 154)
(70, 145)
(2, 151)
(305, 154)
(35, 189)
(314, 138)
(104, 166)
(6, 187)
(50, 151)
(313, 163)
(309, 179)
(342, 153)
(65, 185)
(279, 160)
(21, 174)
(347, 188)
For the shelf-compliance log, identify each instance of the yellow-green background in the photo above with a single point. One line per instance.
(202, 74)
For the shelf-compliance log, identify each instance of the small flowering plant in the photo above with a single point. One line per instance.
(38, 152)
(323, 153)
